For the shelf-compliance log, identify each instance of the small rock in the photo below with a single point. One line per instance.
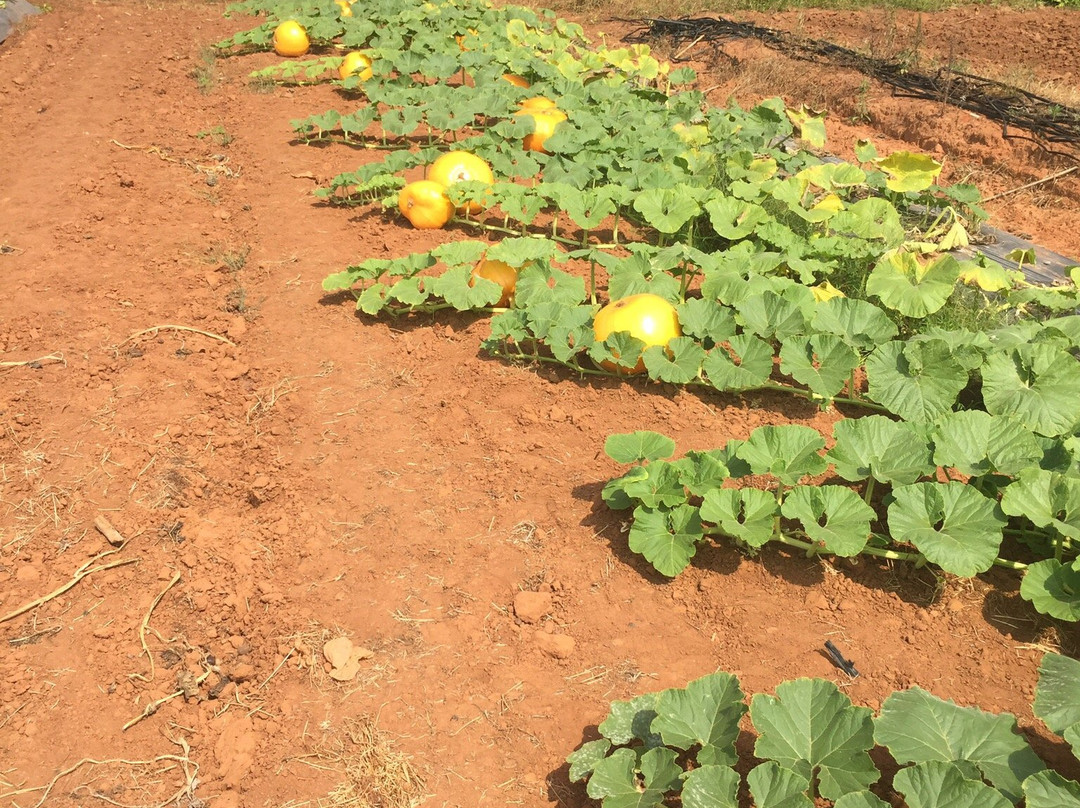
(559, 646)
(242, 672)
(530, 607)
(104, 632)
(337, 651)
(956, 605)
(816, 600)
(237, 328)
(847, 605)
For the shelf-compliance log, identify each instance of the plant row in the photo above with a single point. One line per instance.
(812, 743)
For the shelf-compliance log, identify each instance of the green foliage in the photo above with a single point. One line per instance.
(959, 527)
(813, 744)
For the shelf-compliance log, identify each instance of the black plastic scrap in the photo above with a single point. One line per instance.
(847, 666)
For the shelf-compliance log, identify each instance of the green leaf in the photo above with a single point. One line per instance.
(919, 381)
(453, 287)
(813, 729)
(977, 443)
(952, 524)
(769, 314)
(937, 784)
(748, 514)
(914, 289)
(614, 779)
(678, 362)
(538, 284)
(822, 362)
(832, 516)
(872, 218)
(745, 363)
(704, 319)
(917, 727)
(711, 787)
(773, 786)
(1053, 588)
(373, 299)
(1048, 499)
(668, 209)
(667, 538)
(1049, 789)
(1057, 695)
(733, 218)
(860, 799)
(705, 713)
(1038, 383)
(630, 720)
(861, 324)
(879, 447)
(584, 760)
(640, 446)
(789, 452)
(909, 171)
(700, 472)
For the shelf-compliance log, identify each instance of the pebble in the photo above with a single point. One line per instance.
(559, 646)
(531, 607)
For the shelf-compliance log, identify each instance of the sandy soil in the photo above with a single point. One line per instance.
(285, 472)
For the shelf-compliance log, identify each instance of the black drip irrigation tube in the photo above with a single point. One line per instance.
(1046, 121)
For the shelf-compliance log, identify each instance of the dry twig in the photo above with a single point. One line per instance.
(35, 363)
(146, 623)
(172, 327)
(82, 572)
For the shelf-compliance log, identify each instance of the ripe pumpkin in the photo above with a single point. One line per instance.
(649, 317)
(290, 39)
(357, 64)
(544, 123)
(425, 204)
(536, 104)
(517, 81)
(500, 272)
(345, 6)
(457, 166)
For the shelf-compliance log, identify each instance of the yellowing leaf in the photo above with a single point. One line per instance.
(909, 171)
(825, 291)
(810, 123)
(830, 203)
(989, 276)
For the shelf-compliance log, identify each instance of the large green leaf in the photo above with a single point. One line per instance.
(668, 209)
(702, 472)
(822, 362)
(679, 362)
(711, 787)
(1038, 383)
(635, 447)
(1057, 695)
(789, 452)
(667, 538)
(770, 314)
(705, 713)
(1047, 498)
(773, 786)
(938, 784)
(615, 778)
(748, 514)
(860, 799)
(812, 728)
(860, 323)
(834, 517)
(918, 381)
(879, 447)
(1053, 588)
(631, 720)
(976, 443)
(917, 727)
(746, 363)
(583, 760)
(952, 524)
(1050, 790)
(907, 285)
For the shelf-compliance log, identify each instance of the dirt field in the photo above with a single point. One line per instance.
(285, 472)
